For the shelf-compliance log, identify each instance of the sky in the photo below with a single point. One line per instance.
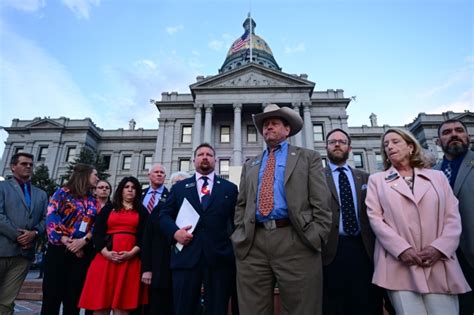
(105, 59)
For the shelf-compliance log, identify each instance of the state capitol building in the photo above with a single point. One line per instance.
(218, 109)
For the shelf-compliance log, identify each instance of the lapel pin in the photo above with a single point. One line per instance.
(188, 185)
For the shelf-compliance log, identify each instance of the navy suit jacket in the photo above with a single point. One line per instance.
(212, 232)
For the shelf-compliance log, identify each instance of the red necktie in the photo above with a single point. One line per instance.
(205, 191)
(151, 202)
(265, 197)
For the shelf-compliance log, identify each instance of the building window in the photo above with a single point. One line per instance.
(224, 165)
(318, 134)
(358, 160)
(18, 150)
(71, 154)
(378, 161)
(147, 161)
(225, 134)
(184, 165)
(43, 152)
(251, 133)
(106, 161)
(127, 162)
(324, 161)
(186, 134)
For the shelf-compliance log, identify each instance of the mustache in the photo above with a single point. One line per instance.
(454, 138)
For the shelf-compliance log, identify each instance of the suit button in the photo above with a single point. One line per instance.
(252, 221)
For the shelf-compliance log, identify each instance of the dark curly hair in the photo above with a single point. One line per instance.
(117, 200)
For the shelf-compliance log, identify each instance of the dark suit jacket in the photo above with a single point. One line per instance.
(463, 190)
(211, 234)
(307, 197)
(156, 251)
(15, 214)
(368, 237)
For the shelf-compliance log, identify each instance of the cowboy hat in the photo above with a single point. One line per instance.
(275, 111)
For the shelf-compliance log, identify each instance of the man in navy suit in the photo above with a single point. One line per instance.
(207, 257)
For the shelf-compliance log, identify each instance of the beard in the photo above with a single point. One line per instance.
(455, 149)
(338, 159)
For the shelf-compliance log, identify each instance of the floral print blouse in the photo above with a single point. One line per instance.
(69, 216)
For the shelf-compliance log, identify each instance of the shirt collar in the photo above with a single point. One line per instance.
(21, 182)
(334, 167)
(159, 190)
(280, 147)
(210, 176)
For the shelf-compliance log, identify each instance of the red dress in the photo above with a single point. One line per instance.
(115, 286)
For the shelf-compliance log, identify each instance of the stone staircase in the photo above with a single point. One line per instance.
(31, 290)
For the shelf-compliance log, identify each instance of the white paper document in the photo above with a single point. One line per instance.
(187, 215)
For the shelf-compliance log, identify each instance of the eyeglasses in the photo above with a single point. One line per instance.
(334, 142)
(26, 164)
(103, 187)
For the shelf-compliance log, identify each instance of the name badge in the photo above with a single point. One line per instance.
(83, 227)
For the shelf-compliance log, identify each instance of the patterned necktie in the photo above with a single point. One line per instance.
(448, 171)
(265, 196)
(349, 220)
(151, 202)
(205, 191)
(27, 195)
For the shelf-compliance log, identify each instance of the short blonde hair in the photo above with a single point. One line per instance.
(416, 158)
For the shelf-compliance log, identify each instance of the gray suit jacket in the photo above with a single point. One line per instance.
(368, 237)
(307, 197)
(464, 191)
(15, 214)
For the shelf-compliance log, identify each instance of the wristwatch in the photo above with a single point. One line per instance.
(85, 238)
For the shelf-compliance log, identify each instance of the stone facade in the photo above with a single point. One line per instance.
(218, 110)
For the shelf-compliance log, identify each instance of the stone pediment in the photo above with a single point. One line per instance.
(45, 123)
(252, 76)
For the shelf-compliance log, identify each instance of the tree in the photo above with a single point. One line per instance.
(87, 156)
(41, 179)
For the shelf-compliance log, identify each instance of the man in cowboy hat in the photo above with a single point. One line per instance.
(282, 218)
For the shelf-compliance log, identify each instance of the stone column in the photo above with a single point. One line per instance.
(208, 123)
(237, 134)
(197, 125)
(308, 126)
(160, 141)
(298, 137)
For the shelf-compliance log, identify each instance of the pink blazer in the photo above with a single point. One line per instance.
(401, 219)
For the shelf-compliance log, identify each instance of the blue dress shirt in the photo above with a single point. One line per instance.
(335, 175)
(280, 207)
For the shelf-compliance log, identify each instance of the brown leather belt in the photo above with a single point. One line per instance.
(274, 224)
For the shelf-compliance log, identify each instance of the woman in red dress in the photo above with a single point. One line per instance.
(113, 278)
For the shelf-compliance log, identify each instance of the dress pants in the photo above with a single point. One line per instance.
(13, 271)
(279, 255)
(160, 302)
(347, 281)
(466, 300)
(217, 282)
(412, 303)
(64, 276)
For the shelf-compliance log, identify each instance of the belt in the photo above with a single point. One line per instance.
(274, 224)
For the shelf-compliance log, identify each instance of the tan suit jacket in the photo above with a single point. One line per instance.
(307, 198)
(368, 237)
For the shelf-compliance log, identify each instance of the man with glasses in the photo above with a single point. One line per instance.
(22, 213)
(348, 254)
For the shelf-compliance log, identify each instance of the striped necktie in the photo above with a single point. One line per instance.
(151, 202)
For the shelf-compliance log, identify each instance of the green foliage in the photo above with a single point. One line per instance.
(87, 156)
(42, 180)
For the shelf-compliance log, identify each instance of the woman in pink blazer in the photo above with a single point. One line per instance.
(415, 218)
